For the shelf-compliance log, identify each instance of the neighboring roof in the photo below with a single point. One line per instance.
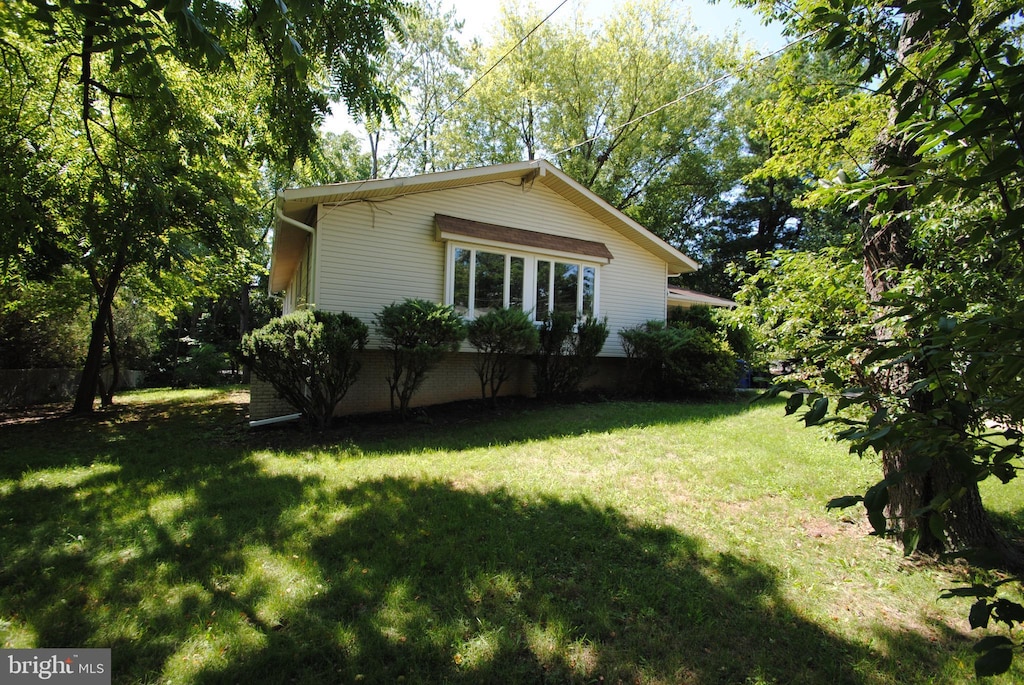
(294, 204)
(681, 297)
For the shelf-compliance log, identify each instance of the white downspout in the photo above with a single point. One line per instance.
(285, 219)
(282, 217)
(275, 419)
(301, 226)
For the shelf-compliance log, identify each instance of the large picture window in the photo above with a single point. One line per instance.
(480, 280)
(565, 287)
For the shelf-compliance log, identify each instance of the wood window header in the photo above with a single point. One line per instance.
(450, 226)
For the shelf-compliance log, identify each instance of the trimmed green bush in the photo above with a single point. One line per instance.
(679, 360)
(417, 333)
(309, 357)
(566, 352)
(500, 337)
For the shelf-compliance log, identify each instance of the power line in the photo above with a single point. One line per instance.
(502, 59)
(480, 78)
(691, 93)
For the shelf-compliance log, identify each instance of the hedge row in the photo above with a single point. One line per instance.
(311, 357)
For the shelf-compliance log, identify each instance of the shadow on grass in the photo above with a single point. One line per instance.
(194, 564)
(472, 424)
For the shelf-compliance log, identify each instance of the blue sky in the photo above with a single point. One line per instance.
(711, 19)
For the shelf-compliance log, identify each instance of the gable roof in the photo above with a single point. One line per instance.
(294, 206)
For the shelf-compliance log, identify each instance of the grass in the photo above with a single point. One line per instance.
(608, 542)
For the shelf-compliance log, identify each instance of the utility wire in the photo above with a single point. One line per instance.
(480, 78)
(691, 93)
(502, 59)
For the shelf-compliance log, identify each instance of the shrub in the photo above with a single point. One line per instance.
(500, 336)
(720, 323)
(649, 346)
(679, 360)
(566, 352)
(202, 368)
(417, 333)
(310, 358)
(698, 316)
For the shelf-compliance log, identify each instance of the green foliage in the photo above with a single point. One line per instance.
(501, 337)
(576, 92)
(429, 67)
(679, 360)
(567, 348)
(801, 307)
(940, 395)
(417, 334)
(203, 367)
(310, 358)
(762, 205)
(135, 137)
(44, 324)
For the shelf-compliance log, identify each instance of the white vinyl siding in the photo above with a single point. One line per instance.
(370, 255)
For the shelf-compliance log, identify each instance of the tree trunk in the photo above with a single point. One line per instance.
(86, 394)
(107, 391)
(887, 250)
(244, 322)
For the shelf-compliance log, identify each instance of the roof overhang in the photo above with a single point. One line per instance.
(290, 239)
(681, 297)
(452, 228)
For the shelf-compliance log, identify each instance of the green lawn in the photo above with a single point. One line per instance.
(608, 542)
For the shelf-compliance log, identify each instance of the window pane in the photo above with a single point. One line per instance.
(461, 297)
(589, 286)
(566, 284)
(490, 282)
(516, 283)
(543, 291)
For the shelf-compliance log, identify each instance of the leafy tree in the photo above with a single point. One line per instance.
(499, 120)
(500, 336)
(44, 324)
(611, 124)
(430, 70)
(309, 356)
(940, 200)
(337, 158)
(762, 204)
(160, 117)
(587, 98)
(417, 334)
(802, 307)
(920, 197)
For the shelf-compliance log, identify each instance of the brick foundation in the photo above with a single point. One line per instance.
(454, 379)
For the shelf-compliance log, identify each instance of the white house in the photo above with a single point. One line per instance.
(521, 235)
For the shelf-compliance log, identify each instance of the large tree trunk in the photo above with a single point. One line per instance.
(87, 387)
(887, 250)
(107, 391)
(244, 319)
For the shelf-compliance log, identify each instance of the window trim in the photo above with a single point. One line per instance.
(530, 260)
